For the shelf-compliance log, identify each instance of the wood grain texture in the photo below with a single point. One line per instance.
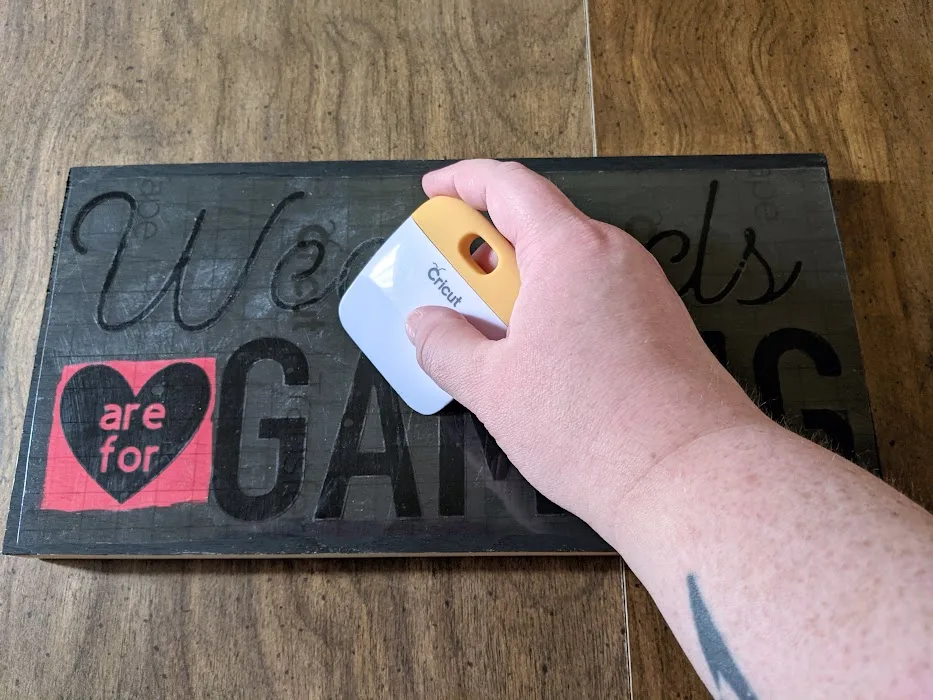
(851, 80)
(161, 81)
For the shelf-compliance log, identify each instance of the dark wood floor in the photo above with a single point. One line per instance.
(87, 82)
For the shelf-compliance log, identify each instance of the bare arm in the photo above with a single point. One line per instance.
(784, 570)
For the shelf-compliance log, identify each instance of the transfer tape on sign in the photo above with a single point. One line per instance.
(427, 262)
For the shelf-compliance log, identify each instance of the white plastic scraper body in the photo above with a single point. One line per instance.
(409, 271)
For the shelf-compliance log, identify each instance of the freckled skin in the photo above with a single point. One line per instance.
(783, 569)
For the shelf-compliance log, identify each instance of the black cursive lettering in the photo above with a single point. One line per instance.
(338, 284)
(695, 282)
(176, 277)
(771, 294)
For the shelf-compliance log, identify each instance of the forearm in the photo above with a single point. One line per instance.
(783, 557)
(817, 577)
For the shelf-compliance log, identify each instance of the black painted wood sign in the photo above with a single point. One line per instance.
(194, 393)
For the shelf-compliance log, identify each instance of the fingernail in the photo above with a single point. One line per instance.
(411, 324)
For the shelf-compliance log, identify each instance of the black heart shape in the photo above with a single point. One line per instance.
(182, 388)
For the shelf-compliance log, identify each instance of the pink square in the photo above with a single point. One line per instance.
(131, 435)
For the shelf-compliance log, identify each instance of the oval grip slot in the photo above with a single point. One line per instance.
(452, 226)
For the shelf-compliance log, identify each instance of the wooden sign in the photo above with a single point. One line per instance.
(194, 393)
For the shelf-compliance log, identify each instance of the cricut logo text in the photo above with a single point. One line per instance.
(434, 274)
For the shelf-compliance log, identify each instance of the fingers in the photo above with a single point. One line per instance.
(451, 351)
(486, 258)
(520, 202)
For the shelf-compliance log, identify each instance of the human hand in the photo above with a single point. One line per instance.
(603, 373)
(605, 397)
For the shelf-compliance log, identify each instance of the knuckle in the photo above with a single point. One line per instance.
(510, 166)
(592, 240)
(515, 173)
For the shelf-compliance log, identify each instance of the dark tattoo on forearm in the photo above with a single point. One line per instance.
(718, 658)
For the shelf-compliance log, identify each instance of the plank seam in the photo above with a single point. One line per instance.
(589, 75)
(628, 631)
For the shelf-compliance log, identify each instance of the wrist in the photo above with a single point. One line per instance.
(687, 470)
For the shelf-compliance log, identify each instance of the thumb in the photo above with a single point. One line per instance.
(449, 348)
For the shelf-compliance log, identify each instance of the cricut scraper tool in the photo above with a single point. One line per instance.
(427, 262)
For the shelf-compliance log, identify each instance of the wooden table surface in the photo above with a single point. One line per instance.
(109, 82)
